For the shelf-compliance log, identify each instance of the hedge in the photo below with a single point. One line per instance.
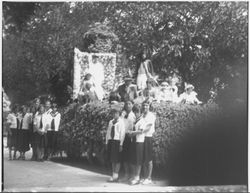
(187, 142)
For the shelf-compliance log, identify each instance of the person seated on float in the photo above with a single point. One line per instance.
(87, 80)
(89, 94)
(127, 91)
(150, 92)
(189, 96)
(173, 89)
(165, 93)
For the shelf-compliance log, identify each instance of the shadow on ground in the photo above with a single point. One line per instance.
(98, 168)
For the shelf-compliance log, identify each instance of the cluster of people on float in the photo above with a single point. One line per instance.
(35, 126)
(129, 142)
(146, 86)
(167, 92)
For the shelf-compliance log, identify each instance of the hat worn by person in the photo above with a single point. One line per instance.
(188, 86)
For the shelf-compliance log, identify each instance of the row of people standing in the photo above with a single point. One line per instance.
(129, 142)
(33, 127)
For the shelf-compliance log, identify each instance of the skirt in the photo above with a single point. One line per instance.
(126, 149)
(35, 138)
(23, 140)
(148, 150)
(31, 137)
(141, 81)
(12, 139)
(136, 157)
(114, 156)
(42, 140)
(52, 139)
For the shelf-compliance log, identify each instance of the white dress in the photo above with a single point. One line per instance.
(189, 98)
(142, 75)
(97, 72)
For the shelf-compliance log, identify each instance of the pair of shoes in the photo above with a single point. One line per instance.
(142, 180)
(147, 181)
(40, 160)
(113, 179)
(134, 182)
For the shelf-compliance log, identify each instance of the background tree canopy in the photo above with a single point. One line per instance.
(206, 43)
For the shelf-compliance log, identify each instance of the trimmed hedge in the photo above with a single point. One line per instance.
(187, 142)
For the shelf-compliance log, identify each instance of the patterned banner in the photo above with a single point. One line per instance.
(82, 64)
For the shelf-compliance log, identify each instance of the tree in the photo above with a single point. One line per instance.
(200, 41)
(16, 15)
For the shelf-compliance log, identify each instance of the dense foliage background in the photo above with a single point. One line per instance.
(205, 43)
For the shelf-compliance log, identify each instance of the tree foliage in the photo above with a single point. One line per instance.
(200, 41)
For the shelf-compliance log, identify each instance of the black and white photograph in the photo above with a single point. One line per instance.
(124, 96)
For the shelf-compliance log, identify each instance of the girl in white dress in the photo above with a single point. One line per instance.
(189, 96)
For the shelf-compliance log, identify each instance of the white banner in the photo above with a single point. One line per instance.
(83, 64)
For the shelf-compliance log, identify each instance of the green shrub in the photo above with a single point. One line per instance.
(187, 140)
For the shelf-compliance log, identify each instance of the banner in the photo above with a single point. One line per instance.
(83, 63)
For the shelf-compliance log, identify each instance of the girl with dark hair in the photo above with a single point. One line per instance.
(149, 121)
(23, 138)
(33, 133)
(39, 135)
(114, 141)
(145, 72)
(129, 119)
(55, 122)
(47, 118)
(137, 145)
(12, 127)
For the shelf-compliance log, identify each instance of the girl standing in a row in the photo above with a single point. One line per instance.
(114, 142)
(12, 127)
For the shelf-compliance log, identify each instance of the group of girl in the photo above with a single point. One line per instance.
(129, 142)
(36, 127)
(168, 92)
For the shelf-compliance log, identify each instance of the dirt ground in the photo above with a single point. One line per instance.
(48, 176)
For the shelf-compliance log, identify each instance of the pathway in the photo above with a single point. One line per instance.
(31, 176)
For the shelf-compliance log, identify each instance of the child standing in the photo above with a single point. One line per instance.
(48, 136)
(114, 141)
(33, 133)
(55, 122)
(24, 132)
(129, 119)
(149, 121)
(12, 126)
(39, 129)
(137, 145)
